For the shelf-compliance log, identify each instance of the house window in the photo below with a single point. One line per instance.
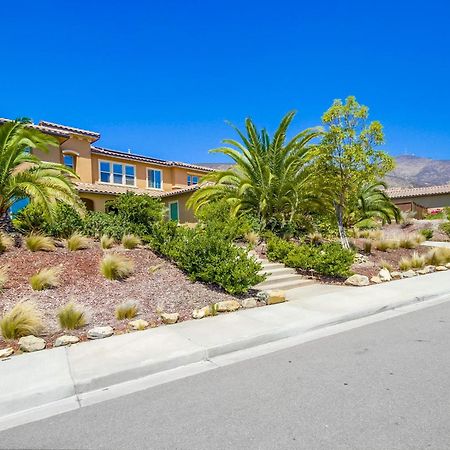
(154, 179)
(192, 179)
(69, 161)
(117, 173)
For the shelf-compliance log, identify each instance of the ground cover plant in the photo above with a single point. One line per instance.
(23, 319)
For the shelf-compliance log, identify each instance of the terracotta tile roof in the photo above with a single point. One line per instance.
(47, 130)
(51, 125)
(148, 159)
(418, 191)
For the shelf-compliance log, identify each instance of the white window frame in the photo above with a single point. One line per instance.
(192, 179)
(111, 173)
(162, 179)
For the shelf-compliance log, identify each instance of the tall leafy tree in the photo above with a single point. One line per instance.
(348, 159)
(269, 179)
(24, 175)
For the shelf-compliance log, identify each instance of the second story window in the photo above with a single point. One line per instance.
(69, 161)
(117, 173)
(154, 179)
(192, 179)
(105, 172)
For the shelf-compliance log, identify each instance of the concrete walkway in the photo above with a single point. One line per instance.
(36, 379)
(436, 244)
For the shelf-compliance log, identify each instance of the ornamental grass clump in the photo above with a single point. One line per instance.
(367, 247)
(438, 256)
(404, 263)
(252, 238)
(71, 317)
(47, 278)
(386, 244)
(407, 242)
(427, 233)
(386, 265)
(116, 267)
(417, 261)
(130, 241)
(127, 310)
(39, 243)
(5, 242)
(106, 242)
(3, 276)
(22, 320)
(77, 242)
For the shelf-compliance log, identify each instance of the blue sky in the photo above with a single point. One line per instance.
(161, 78)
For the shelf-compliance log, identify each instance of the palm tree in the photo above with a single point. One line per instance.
(269, 179)
(23, 175)
(373, 202)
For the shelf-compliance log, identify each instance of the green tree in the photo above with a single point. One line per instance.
(24, 175)
(347, 159)
(269, 180)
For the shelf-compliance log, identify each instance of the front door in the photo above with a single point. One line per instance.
(173, 211)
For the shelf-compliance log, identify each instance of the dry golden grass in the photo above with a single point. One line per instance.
(39, 242)
(22, 320)
(386, 244)
(153, 269)
(47, 278)
(367, 246)
(414, 262)
(130, 241)
(438, 256)
(71, 316)
(77, 242)
(252, 238)
(116, 267)
(106, 242)
(386, 265)
(6, 242)
(3, 276)
(127, 310)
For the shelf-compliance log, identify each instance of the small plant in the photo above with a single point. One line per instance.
(5, 242)
(386, 265)
(404, 263)
(438, 256)
(407, 218)
(39, 242)
(386, 244)
(445, 227)
(213, 309)
(367, 247)
(127, 310)
(417, 261)
(153, 269)
(71, 317)
(315, 238)
(45, 279)
(130, 241)
(252, 238)
(427, 233)
(375, 234)
(407, 242)
(22, 320)
(116, 267)
(106, 242)
(77, 242)
(3, 276)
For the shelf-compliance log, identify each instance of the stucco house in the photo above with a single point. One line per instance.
(104, 173)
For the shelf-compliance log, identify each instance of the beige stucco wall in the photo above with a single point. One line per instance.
(98, 200)
(185, 215)
(82, 150)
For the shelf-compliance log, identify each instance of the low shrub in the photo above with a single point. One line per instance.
(3, 276)
(445, 227)
(22, 320)
(278, 249)
(127, 310)
(45, 279)
(116, 267)
(129, 241)
(97, 224)
(427, 233)
(71, 317)
(314, 238)
(77, 242)
(39, 242)
(106, 242)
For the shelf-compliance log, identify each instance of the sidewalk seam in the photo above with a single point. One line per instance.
(75, 389)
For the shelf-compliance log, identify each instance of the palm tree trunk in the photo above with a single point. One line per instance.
(341, 228)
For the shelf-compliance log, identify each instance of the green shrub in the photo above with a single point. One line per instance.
(278, 249)
(427, 233)
(97, 224)
(22, 320)
(71, 317)
(445, 227)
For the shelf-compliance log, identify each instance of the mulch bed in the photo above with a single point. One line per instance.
(168, 289)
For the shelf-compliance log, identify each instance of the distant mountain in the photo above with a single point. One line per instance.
(410, 171)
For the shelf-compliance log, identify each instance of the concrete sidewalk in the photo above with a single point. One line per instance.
(36, 379)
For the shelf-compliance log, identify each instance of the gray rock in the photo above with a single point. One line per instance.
(169, 318)
(262, 296)
(384, 275)
(409, 274)
(138, 324)
(31, 343)
(5, 352)
(100, 332)
(227, 306)
(66, 340)
(357, 280)
(249, 302)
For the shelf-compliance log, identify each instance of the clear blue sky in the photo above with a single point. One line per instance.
(161, 78)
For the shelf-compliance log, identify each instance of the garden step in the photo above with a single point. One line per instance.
(283, 278)
(286, 285)
(269, 265)
(277, 271)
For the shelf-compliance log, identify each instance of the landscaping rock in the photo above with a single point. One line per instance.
(425, 270)
(169, 318)
(376, 280)
(409, 274)
(5, 352)
(31, 343)
(448, 265)
(384, 275)
(66, 340)
(430, 268)
(249, 302)
(227, 306)
(202, 312)
(441, 268)
(396, 275)
(262, 296)
(100, 332)
(276, 297)
(357, 280)
(138, 324)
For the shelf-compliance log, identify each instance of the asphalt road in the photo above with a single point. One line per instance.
(382, 386)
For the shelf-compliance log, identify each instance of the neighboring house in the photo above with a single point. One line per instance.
(105, 173)
(420, 198)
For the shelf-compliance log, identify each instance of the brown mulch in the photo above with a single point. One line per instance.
(168, 289)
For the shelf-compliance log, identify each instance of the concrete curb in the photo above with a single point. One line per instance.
(40, 378)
